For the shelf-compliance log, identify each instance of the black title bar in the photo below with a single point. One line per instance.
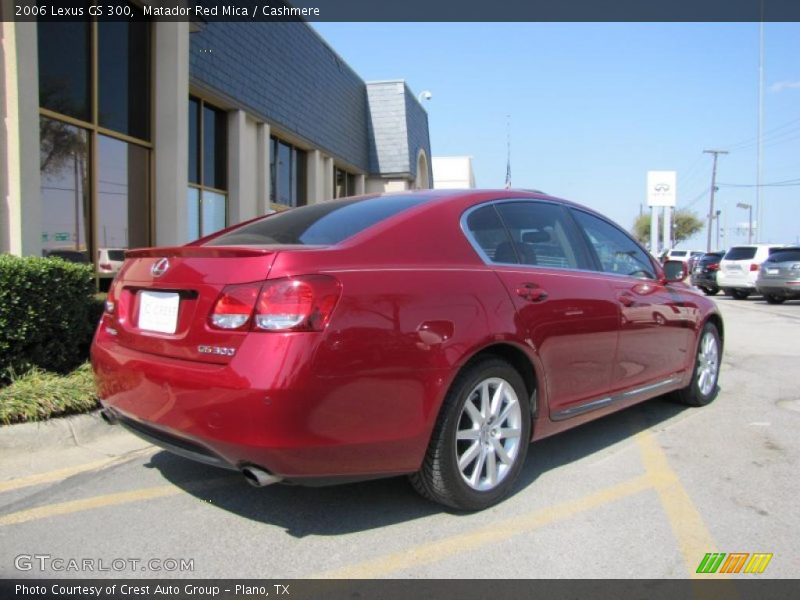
(364, 589)
(412, 10)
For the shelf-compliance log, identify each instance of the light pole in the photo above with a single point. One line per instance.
(749, 208)
(716, 216)
(424, 95)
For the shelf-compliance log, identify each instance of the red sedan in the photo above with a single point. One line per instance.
(432, 333)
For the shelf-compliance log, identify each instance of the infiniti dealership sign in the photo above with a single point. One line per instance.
(661, 188)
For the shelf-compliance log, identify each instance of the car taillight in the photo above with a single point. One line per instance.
(297, 304)
(110, 304)
(293, 304)
(754, 267)
(713, 267)
(234, 306)
(104, 266)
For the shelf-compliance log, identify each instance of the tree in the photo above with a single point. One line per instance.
(684, 225)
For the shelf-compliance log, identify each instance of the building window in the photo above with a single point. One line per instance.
(287, 168)
(344, 183)
(207, 198)
(122, 74)
(64, 164)
(94, 132)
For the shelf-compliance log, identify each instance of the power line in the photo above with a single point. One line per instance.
(786, 183)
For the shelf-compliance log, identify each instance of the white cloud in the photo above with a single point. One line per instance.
(779, 86)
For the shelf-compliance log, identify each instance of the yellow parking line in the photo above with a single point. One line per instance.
(693, 537)
(61, 474)
(73, 506)
(496, 532)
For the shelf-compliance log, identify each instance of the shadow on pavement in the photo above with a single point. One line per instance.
(348, 508)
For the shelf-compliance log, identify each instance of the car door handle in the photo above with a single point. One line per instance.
(531, 292)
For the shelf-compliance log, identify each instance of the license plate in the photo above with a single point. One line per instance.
(773, 271)
(158, 311)
(698, 269)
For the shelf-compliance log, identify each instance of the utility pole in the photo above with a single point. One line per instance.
(713, 190)
(759, 207)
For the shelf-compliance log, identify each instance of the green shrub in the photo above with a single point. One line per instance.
(47, 307)
(39, 395)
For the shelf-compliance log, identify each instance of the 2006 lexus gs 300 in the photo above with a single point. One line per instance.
(433, 334)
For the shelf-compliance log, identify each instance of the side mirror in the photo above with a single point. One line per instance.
(674, 271)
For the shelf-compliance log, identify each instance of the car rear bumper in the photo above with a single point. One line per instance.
(739, 281)
(704, 279)
(284, 420)
(790, 289)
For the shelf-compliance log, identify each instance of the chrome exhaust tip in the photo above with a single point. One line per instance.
(108, 416)
(259, 477)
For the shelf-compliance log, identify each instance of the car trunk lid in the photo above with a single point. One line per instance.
(163, 298)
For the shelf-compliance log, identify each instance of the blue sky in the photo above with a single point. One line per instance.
(594, 106)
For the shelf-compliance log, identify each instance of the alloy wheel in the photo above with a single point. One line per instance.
(488, 434)
(707, 363)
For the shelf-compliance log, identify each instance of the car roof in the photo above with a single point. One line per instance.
(475, 196)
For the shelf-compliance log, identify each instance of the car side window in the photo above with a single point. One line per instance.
(541, 234)
(615, 250)
(486, 229)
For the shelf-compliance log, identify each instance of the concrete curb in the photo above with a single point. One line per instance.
(62, 432)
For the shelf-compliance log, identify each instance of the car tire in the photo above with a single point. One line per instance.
(477, 450)
(740, 294)
(774, 299)
(710, 291)
(703, 388)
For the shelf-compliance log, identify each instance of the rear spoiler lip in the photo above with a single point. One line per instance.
(198, 252)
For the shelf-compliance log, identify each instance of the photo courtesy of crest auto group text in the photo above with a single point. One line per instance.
(426, 299)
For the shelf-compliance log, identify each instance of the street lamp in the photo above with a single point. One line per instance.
(425, 95)
(749, 208)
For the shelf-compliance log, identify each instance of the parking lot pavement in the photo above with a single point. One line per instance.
(643, 493)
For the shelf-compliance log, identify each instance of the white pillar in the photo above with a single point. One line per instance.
(654, 248)
(327, 178)
(360, 184)
(243, 178)
(21, 208)
(667, 227)
(262, 168)
(171, 132)
(320, 177)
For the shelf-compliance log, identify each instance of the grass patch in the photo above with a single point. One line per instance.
(38, 395)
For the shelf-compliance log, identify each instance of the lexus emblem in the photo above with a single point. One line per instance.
(159, 267)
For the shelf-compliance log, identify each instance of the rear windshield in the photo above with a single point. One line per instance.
(788, 255)
(678, 253)
(116, 255)
(319, 224)
(741, 253)
(710, 259)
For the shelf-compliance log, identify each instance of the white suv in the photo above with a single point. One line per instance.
(738, 269)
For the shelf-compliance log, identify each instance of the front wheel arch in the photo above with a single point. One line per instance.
(519, 360)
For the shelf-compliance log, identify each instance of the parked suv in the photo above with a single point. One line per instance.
(779, 277)
(738, 270)
(704, 274)
(109, 261)
(682, 255)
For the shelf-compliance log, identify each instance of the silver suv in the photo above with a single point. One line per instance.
(738, 270)
(779, 277)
